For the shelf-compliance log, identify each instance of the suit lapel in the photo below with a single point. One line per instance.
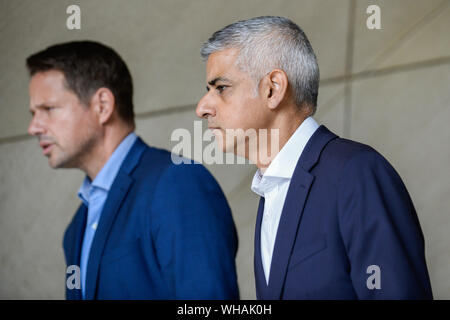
(292, 212)
(260, 280)
(287, 230)
(73, 249)
(114, 201)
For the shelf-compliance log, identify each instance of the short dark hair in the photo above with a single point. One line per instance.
(88, 66)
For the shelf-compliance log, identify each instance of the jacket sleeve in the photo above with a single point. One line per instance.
(381, 231)
(195, 237)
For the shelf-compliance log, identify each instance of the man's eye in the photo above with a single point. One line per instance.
(220, 88)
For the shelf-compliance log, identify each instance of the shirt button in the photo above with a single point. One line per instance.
(94, 226)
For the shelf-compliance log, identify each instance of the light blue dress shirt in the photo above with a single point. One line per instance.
(94, 194)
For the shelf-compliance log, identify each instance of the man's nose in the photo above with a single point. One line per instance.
(205, 108)
(36, 127)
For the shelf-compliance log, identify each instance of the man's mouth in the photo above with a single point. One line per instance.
(46, 147)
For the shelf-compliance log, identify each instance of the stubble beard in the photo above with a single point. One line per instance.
(79, 156)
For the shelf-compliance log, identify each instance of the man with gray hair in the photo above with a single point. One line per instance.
(335, 220)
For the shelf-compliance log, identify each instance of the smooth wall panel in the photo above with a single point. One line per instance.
(331, 107)
(159, 40)
(405, 117)
(36, 204)
(401, 22)
(25, 27)
(430, 41)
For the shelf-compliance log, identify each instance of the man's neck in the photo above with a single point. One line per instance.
(286, 126)
(102, 151)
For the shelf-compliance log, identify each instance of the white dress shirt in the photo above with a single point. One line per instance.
(274, 184)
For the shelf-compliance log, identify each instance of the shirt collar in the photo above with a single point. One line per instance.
(108, 173)
(283, 165)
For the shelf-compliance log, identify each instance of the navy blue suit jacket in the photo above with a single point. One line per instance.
(166, 232)
(346, 209)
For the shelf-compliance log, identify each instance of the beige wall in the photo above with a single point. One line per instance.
(388, 88)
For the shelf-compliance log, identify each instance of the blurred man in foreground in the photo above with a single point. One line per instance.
(146, 228)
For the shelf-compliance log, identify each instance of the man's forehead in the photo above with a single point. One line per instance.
(46, 88)
(221, 63)
(49, 77)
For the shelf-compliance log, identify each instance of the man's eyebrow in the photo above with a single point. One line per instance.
(44, 105)
(41, 106)
(222, 79)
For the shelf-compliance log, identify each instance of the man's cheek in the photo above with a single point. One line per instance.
(220, 138)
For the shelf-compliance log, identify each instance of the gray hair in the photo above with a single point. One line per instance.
(266, 43)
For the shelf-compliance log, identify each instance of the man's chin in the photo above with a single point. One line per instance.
(53, 165)
(59, 164)
(224, 145)
(226, 148)
(233, 148)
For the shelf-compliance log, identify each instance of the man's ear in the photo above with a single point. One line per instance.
(276, 85)
(103, 102)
